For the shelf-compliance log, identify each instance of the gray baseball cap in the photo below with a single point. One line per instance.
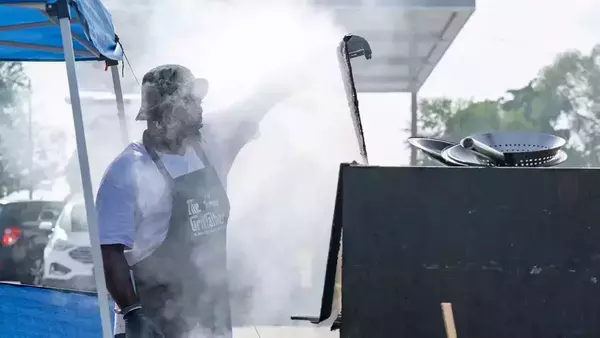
(168, 82)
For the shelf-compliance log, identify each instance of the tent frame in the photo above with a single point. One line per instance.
(64, 16)
(84, 167)
(59, 13)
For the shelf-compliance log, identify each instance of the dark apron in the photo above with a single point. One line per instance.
(183, 283)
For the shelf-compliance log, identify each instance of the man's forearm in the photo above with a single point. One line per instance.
(118, 278)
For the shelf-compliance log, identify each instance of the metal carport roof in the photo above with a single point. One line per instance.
(408, 38)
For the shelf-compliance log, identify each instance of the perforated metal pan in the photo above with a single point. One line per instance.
(465, 157)
(523, 149)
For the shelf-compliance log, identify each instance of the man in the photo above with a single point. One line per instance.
(163, 210)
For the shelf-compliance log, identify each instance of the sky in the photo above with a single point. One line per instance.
(503, 45)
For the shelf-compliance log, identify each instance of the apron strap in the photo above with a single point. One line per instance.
(197, 146)
(161, 167)
(199, 151)
(159, 164)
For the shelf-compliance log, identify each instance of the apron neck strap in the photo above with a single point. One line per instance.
(196, 145)
(151, 149)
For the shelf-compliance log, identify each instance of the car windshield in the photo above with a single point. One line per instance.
(78, 218)
(28, 213)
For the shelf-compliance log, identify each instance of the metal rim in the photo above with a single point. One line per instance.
(416, 142)
(559, 158)
(508, 140)
(464, 161)
(452, 161)
(435, 154)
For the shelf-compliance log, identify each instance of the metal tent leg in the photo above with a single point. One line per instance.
(114, 69)
(413, 125)
(413, 72)
(65, 29)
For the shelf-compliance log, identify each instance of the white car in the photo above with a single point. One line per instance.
(68, 260)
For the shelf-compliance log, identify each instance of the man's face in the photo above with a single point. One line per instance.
(181, 117)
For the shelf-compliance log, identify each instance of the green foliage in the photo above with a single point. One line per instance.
(14, 85)
(563, 100)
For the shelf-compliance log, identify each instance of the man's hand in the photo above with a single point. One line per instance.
(138, 325)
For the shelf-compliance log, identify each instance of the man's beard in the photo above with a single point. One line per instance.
(170, 134)
(172, 138)
(176, 138)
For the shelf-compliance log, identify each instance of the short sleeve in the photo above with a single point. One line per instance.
(116, 203)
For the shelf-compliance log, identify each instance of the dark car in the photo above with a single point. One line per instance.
(24, 231)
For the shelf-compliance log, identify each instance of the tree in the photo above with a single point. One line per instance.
(14, 85)
(562, 101)
(453, 120)
(522, 100)
(571, 86)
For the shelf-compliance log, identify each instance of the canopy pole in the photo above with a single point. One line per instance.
(413, 73)
(114, 69)
(413, 125)
(30, 145)
(65, 30)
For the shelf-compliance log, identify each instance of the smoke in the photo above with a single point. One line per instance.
(282, 186)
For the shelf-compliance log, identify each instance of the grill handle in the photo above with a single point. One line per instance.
(483, 149)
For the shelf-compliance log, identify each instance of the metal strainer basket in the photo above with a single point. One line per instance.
(522, 149)
(459, 156)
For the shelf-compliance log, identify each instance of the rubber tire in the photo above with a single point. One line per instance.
(28, 275)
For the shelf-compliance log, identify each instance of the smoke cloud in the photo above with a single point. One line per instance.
(282, 186)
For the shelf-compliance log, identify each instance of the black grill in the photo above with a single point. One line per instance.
(83, 255)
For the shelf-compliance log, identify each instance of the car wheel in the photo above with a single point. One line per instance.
(38, 272)
(32, 272)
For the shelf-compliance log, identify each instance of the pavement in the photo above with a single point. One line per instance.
(284, 331)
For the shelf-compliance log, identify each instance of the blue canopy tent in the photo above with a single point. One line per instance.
(69, 31)
(35, 312)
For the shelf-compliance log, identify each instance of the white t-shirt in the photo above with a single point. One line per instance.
(134, 200)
